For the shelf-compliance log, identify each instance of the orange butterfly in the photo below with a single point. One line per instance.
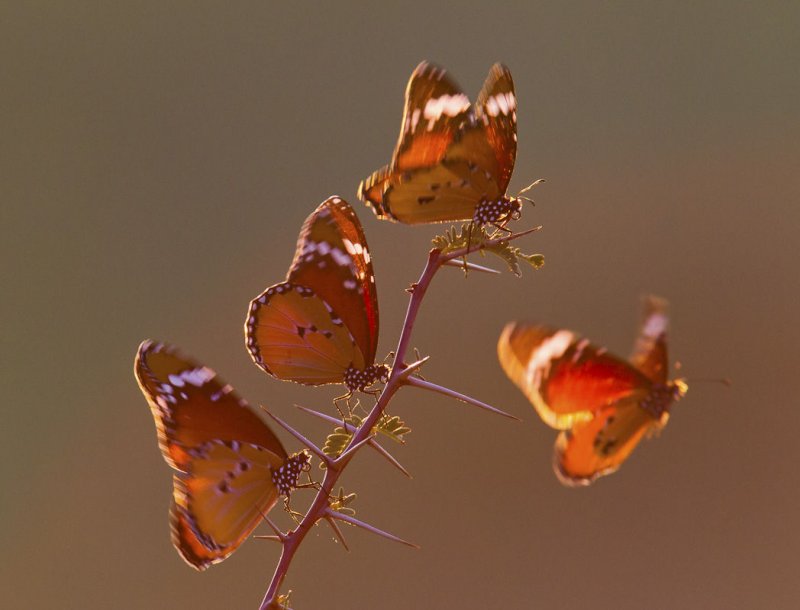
(453, 160)
(230, 467)
(602, 404)
(320, 326)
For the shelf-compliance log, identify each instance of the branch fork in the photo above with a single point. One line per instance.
(401, 375)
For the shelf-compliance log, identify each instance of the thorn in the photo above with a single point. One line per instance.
(269, 537)
(411, 288)
(346, 455)
(337, 532)
(410, 368)
(520, 234)
(278, 533)
(468, 265)
(353, 521)
(350, 428)
(314, 449)
(426, 385)
(374, 444)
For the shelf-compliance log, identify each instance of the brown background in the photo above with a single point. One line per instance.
(157, 162)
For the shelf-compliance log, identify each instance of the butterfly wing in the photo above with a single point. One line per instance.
(434, 111)
(496, 111)
(220, 499)
(294, 335)
(598, 447)
(650, 351)
(416, 188)
(332, 258)
(223, 452)
(324, 318)
(191, 405)
(566, 378)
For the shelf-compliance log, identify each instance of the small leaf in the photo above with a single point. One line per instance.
(336, 442)
(282, 601)
(479, 239)
(341, 501)
(393, 427)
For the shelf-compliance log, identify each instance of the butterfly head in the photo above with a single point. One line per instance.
(285, 477)
(658, 402)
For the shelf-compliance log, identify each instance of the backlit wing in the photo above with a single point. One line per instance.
(332, 258)
(566, 378)
(496, 111)
(435, 108)
(650, 351)
(598, 447)
(220, 499)
(294, 335)
(442, 162)
(191, 405)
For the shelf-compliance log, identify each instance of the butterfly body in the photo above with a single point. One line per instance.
(320, 325)
(453, 160)
(230, 467)
(602, 405)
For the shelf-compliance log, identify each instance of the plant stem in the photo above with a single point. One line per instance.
(320, 507)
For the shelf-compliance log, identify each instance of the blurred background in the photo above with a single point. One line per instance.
(157, 161)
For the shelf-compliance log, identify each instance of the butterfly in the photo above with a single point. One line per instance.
(453, 160)
(230, 467)
(320, 326)
(602, 404)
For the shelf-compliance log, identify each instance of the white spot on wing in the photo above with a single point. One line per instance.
(450, 105)
(655, 325)
(550, 349)
(197, 377)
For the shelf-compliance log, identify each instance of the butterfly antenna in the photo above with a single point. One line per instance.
(527, 188)
(530, 186)
(723, 380)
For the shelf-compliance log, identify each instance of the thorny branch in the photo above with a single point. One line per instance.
(400, 375)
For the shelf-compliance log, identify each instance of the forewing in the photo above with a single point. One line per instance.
(191, 405)
(496, 111)
(332, 258)
(598, 447)
(220, 499)
(435, 108)
(292, 334)
(650, 351)
(566, 378)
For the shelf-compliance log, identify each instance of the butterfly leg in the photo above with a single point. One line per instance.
(296, 516)
(469, 243)
(346, 399)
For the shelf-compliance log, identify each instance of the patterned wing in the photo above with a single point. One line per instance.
(650, 351)
(231, 467)
(566, 378)
(220, 499)
(496, 111)
(598, 447)
(332, 259)
(434, 111)
(371, 191)
(292, 334)
(446, 192)
(192, 406)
